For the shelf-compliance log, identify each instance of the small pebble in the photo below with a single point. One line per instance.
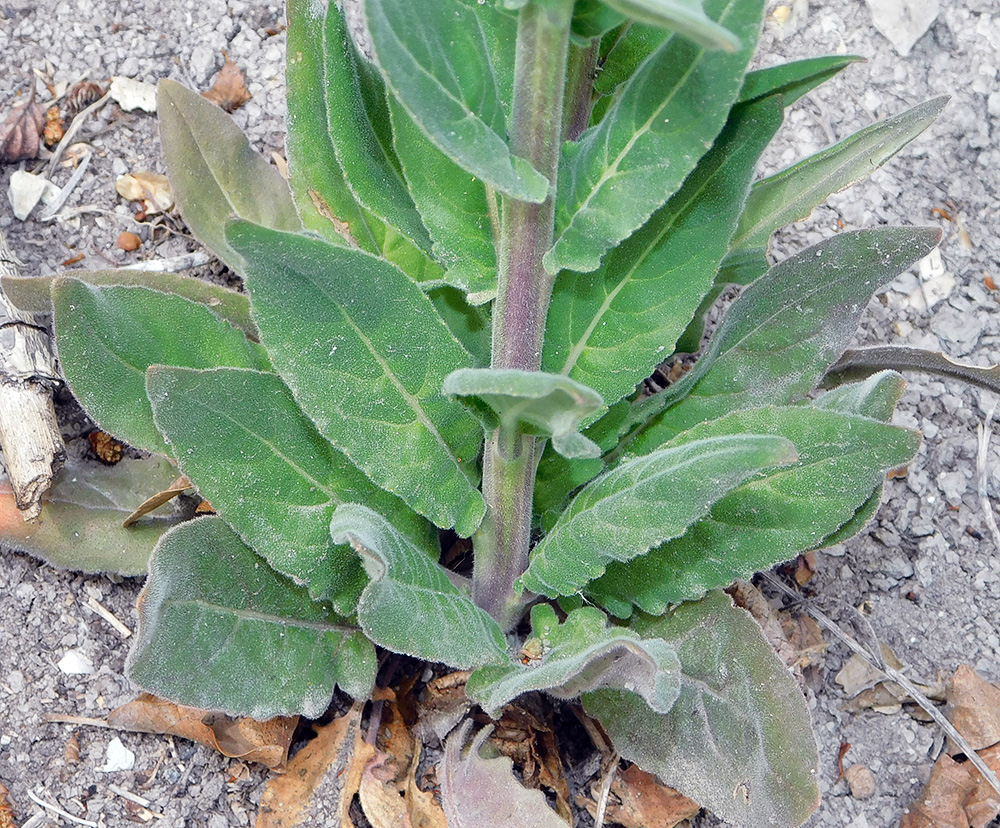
(860, 780)
(76, 663)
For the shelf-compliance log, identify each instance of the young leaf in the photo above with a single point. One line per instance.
(483, 793)
(685, 17)
(365, 353)
(665, 117)
(842, 459)
(214, 173)
(108, 336)
(866, 361)
(437, 59)
(410, 606)
(580, 655)
(610, 329)
(81, 521)
(269, 473)
(250, 642)
(545, 405)
(874, 397)
(738, 740)
(606, 521)
(794, 79)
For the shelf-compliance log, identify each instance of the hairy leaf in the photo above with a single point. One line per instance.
(365, 353)
(738, 740)
(642, 503)
(866, 361)
(108, 336)
(685, 17)
(578, 655)
(221, 630)
(794, 79)
(215, 173)
(470, 324)
(410, 606)
(437, 59)
(874, 397)
(663, 120)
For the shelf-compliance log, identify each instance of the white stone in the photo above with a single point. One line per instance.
(118, 757)
(26, 190)
(131, 94)
(903, 22)
(76, 663)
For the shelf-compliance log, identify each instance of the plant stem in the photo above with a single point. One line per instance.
(523, 291)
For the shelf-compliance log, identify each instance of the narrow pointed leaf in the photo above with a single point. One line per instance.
(610, 329)
(866, 361)
(365, 353)
(437, 60)
(108, 336)
(269, 473)
(411, 606)
(219, 629)
(685, 17)
(842, 460)
(215, 173)
(579, 655)
(738, 741)
(546, 405)
(607, 520)
(664, 119)
(794, 79)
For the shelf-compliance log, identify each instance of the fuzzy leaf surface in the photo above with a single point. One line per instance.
(251, 642)
(662, 121)
(782, 512)
(612, 518)
(410, 606)
(794, 79)
(685, 17)
(108, 336)
(579, 655)
(269, 473)
(365, 353)
(438, 60)
(738, 740)
(215, 173)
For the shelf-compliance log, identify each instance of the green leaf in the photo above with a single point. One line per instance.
(874, 397)
(592, 18)
(81, 521)
(610, 329)
(108, 336)
(685, 17)
(437, 60)
(842, 459)
(365, 353)
(630, 48)
(864, 362)
(738, 740)
(578, 655)
(642, 503)
(794, 79)
(269, 473)
(410, 606)
(662, 121)
(220, 630)
(784, 331)
(469, 324)
(545, 405)
(215, 173)
(792, 194)
(34, 293)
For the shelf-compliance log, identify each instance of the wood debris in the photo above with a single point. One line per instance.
(229, 90)
(21, 132)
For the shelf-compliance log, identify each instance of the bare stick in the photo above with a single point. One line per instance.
(70, 133)
(602, 803)
(107, 615)
(985, 432)
(56, 809)
(65, 718)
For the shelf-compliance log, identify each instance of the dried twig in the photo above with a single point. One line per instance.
(50, 212)
(56, 809)
(602, 802)
(985, 432)
(107, 615)
(70, 133)
(66, 718)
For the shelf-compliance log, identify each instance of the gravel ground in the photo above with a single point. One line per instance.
(925, 569)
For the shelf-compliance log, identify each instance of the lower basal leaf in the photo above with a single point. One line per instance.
(219, 629)
(738, 740)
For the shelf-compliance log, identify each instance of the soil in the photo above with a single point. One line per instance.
(926, 570)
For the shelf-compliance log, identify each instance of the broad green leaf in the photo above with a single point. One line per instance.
(437, 60)
(784, 331)
(34, 293)
(628, 50)
(221, 630)
(738, 740)
(365, 353)
(663, 120)
(874, 397)
(455, 207)
(410, 606)
(578, 655)
(791, 195)
(81, 522)
(858, 521)
(794, 79)
(108, 336)
(469, 324)
(685, 17)
(592, 18)
(864, 362)
(269, 473)
(315, 175)
(610, 329)
(545, 405)
(215, 173)
(644, 502)
(842, 460)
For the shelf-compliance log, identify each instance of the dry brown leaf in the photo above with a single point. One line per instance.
(108, 450)
(973, 706)
(641, 801)
(6, 809)
(805, 567)
(982, 805)
(380, 800)
(229, 90)
(941, 804)
(337, 756)
(83, 95)
(71, 750)
(152, 189)
(798, 641)
(21, 132)
(53, 132)
(247, 739)
(424, 811)
(179, 486)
